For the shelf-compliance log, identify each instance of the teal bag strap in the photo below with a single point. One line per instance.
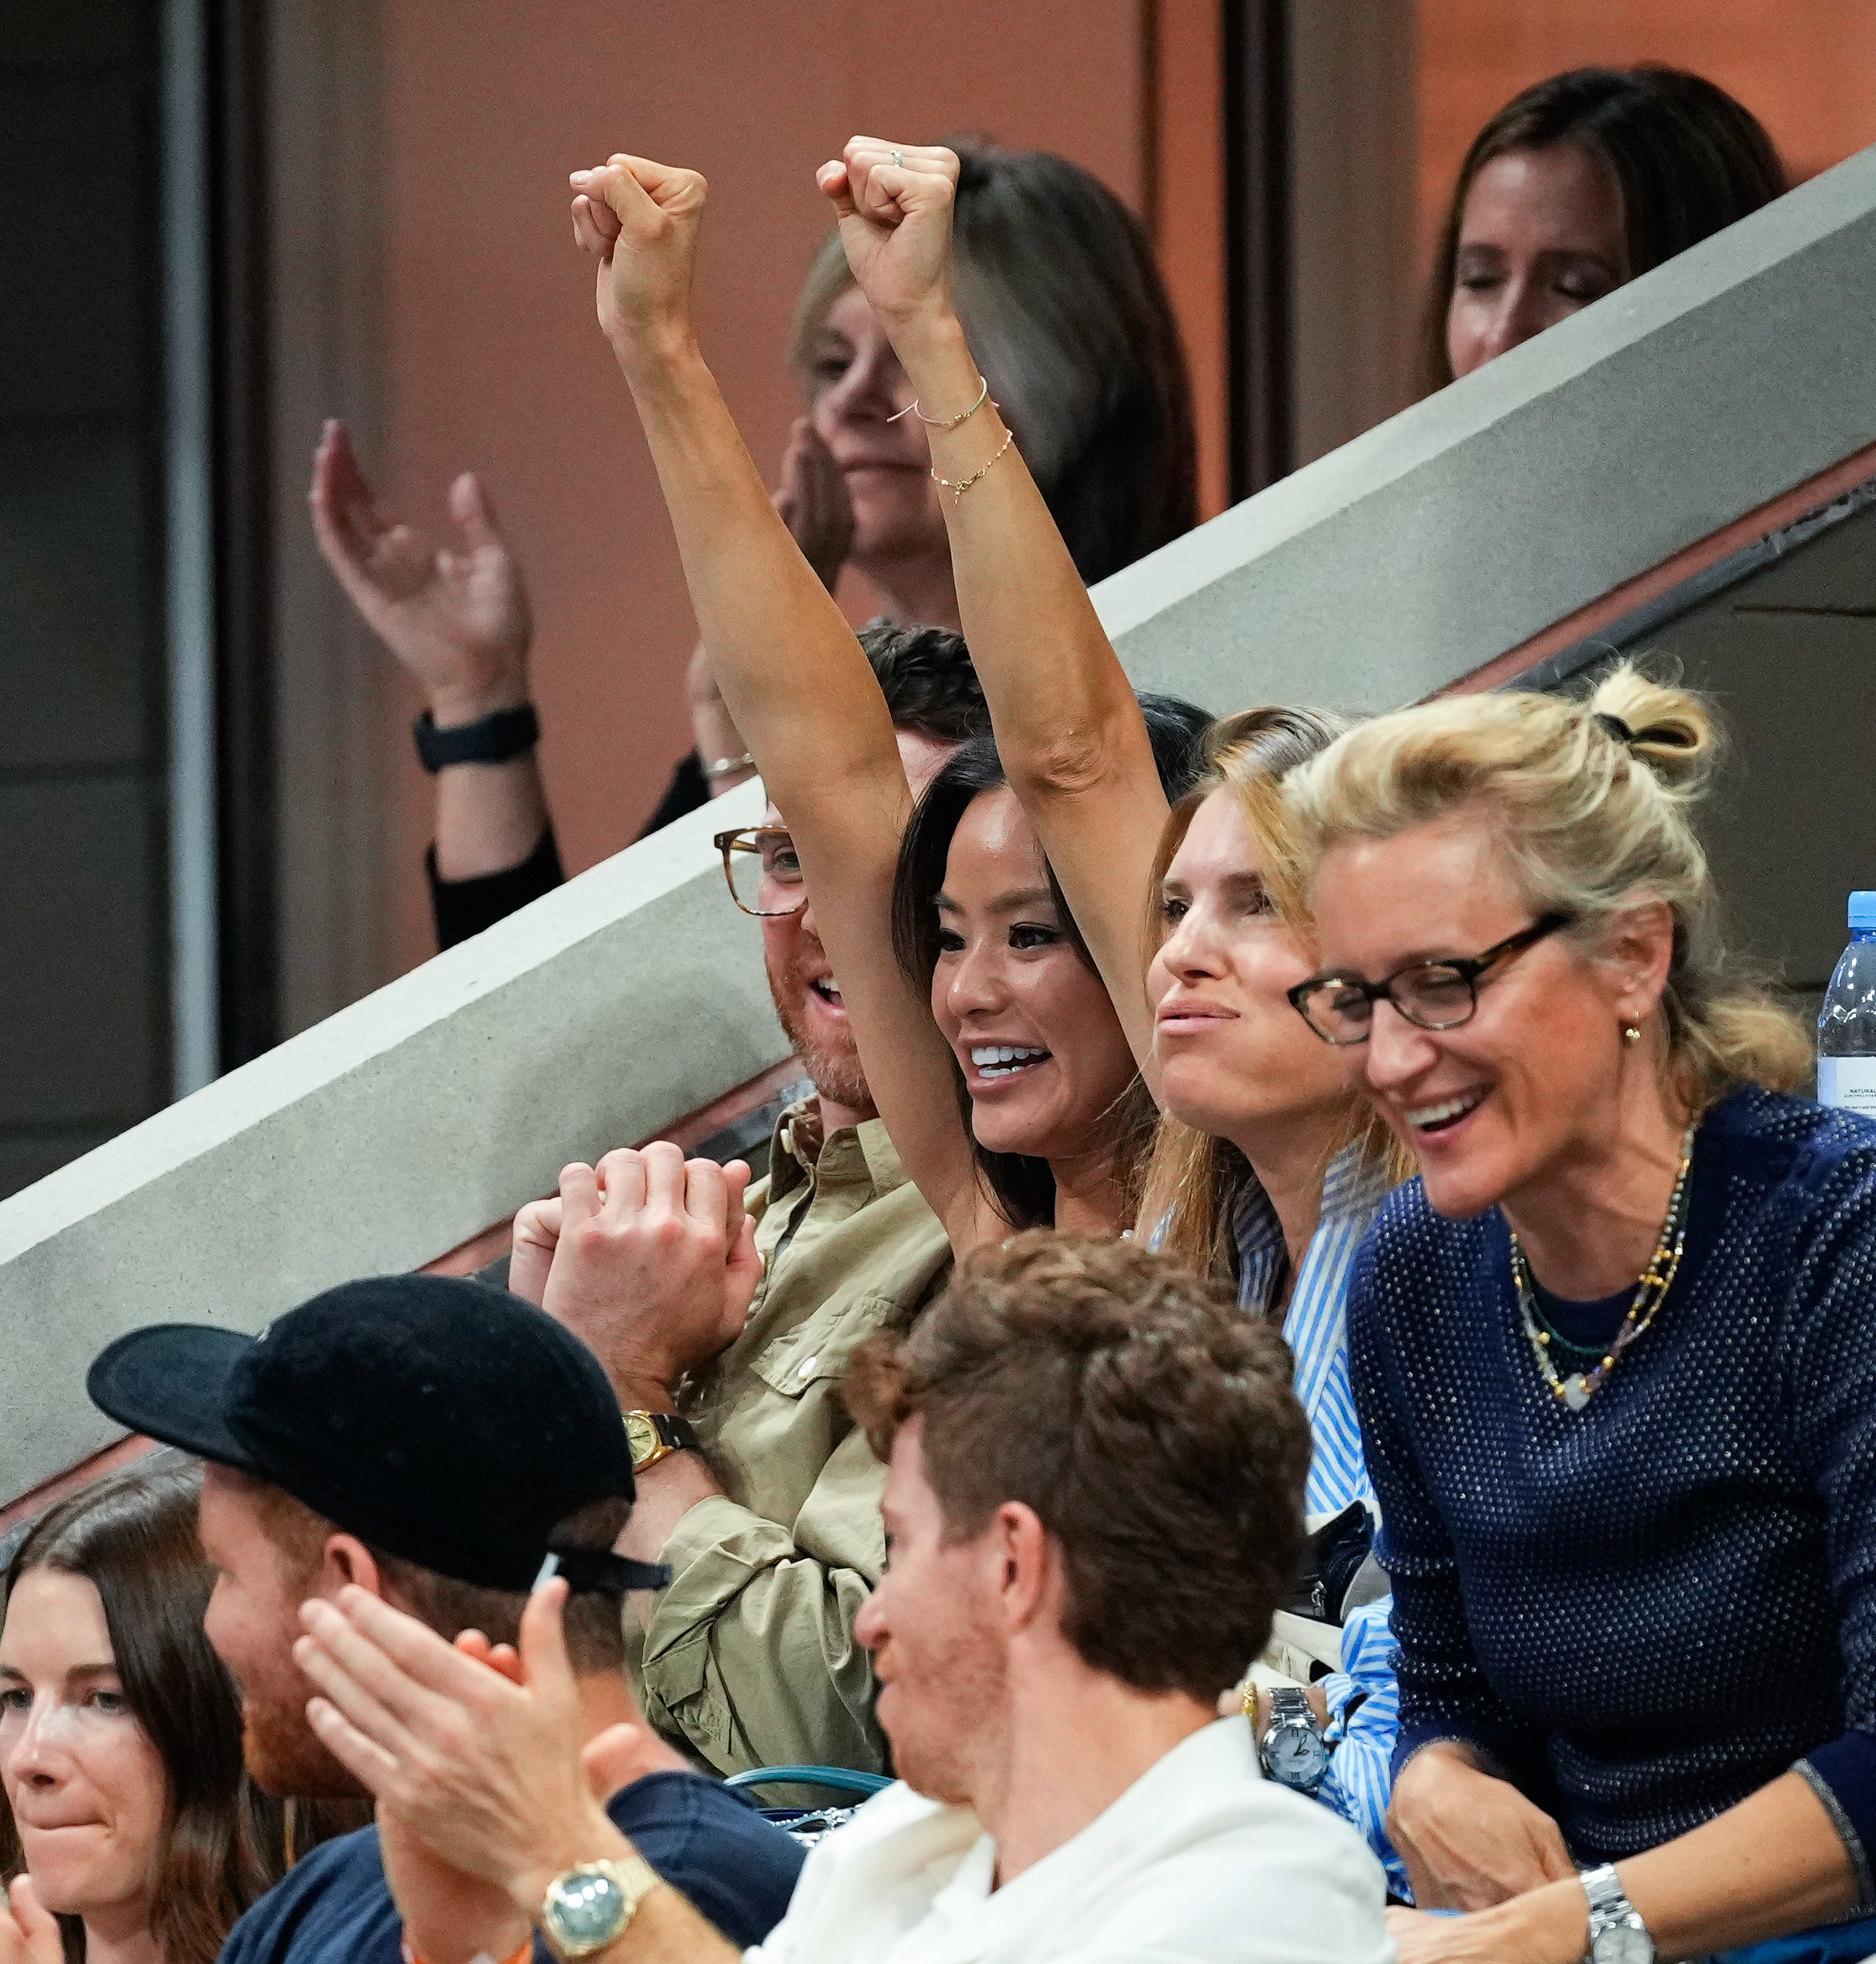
(842, 1779)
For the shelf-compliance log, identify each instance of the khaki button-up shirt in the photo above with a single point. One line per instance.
(749, 1659)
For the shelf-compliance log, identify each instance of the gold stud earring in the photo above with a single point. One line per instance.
(1630, 1034)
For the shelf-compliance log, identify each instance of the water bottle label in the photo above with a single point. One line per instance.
(1848, 1083)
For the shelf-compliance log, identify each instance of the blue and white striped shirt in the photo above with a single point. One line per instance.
(1359, 1781)
(1352, 1189)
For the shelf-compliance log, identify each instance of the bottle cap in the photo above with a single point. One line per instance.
(1862, 911)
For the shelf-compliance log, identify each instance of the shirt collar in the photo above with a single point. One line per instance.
(798, 1153)
(1353, 1186)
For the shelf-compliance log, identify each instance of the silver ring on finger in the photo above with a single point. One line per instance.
(898, 160)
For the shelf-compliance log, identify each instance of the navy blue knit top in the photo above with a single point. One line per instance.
(1642, 1611)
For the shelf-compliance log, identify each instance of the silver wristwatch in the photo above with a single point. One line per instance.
(1616, 1934)
(1295, 1755)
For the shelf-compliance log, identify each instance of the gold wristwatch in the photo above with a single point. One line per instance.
(653, 1435)
(591, 1905)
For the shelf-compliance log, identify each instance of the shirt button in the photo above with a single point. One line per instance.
(807, 1365)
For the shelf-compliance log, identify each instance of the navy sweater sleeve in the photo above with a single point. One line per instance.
(1443, 1694)
(704, 1838)
(1831, 1374)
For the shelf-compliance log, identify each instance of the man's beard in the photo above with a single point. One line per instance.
(834, 1064)
(285, 1759)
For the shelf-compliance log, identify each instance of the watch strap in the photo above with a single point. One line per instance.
(492, 740)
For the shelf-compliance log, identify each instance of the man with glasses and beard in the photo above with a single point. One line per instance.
(754, 1487)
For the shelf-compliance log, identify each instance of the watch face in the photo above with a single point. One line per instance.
(642, 1436)
(1623, 1943)
(1295, 1756)
(587, 1911)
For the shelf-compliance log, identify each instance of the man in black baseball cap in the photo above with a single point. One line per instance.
(444, 1445)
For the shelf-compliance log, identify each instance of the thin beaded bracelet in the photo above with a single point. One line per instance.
(964, 484)
(947, 423)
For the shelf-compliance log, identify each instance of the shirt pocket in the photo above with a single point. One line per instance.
(683, 1694)
(820, 1349)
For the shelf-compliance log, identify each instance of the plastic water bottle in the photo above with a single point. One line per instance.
(1846, 1030)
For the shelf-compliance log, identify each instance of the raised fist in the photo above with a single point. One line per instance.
(639, 220)
(895, 223)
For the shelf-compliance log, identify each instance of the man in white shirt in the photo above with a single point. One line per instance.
(1093, 1504)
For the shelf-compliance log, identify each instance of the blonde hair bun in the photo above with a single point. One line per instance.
(1672, 731)
(1589, 802)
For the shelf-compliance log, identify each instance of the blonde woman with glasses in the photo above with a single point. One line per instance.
(1613, 1349)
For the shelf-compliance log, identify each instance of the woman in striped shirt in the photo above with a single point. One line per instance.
(1268, 1168)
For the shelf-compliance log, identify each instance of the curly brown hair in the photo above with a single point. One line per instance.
(1146, 1420)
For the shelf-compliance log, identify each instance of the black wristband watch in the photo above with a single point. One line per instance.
(492, 740)
(654, 1436)
(1295, 1755)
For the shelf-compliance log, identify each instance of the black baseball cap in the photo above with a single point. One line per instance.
(441, 1420)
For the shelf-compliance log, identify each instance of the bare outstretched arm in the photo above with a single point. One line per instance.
(1068, 728)
(792, 675)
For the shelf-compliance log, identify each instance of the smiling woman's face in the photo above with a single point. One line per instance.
(1042, 1052)
(1503, 1101)
(87, 1790)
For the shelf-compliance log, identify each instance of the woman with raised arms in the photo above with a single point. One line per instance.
(1265, 1165)
(990, 989)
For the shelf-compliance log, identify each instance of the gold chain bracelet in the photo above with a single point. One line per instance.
(964, 484)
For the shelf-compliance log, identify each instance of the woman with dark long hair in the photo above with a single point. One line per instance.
(128, 1833)
(998, 990)
(1581, 183)
(1023, 1145)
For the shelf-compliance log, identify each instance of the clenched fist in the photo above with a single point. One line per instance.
(639, 220)
(653, 1263)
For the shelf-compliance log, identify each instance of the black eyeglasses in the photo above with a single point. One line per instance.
(763, 870)
(1434, 995)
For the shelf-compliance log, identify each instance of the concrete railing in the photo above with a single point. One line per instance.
(1410, 558)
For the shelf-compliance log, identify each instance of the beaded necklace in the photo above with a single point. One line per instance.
(1651, 1291)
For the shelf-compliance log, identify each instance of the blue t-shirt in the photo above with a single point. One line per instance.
(335, 1907)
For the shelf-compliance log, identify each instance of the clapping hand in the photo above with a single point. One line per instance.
(29, 1932)
(895, 223)
(451, 1915)
(455, 616)
(487, 1770)
(653, 1261)
(813, 501)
